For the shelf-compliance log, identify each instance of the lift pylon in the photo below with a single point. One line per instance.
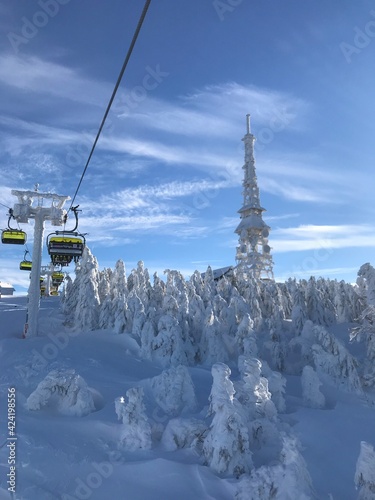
(40, 207)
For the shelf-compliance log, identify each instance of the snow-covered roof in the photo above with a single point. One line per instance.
(219, 273)
(4, 285)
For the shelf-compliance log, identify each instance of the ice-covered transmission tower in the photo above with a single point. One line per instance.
(253, 255)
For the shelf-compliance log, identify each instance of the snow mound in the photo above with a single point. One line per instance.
(64, 390)
(184, 433)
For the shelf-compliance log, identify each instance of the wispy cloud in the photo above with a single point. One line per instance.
(216, 111)
(32, 74)
(312, 237)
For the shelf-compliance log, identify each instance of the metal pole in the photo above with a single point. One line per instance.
(31, 328)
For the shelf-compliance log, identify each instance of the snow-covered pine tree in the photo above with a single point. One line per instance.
(252, 295)
(276, 386)
(87, 309)
(105, 298)
(273, 312)
(286, 299)
(299, 310)
(168, 348)
(196, 315)
(69, 300)
(209, 287)
(254, 392)
(365, 332)
(212, 348)
(148, 333)
(196, 281)
(333, 359)
(366, 282)
(116, 310)
(225, 288)
(157, 292)
(104, 286)
(317, 311)
(245, 338)
(141, 283)
(136, 429)
(135, 313)
(311, 388)
(176, 294)
(364, 477)
(226, 446)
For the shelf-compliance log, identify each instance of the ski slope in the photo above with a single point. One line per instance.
(72, 457)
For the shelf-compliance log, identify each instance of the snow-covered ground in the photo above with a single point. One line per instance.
(73, 439)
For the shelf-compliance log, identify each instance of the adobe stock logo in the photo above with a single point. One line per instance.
(30, 27)
(362, 38)
(223, 6)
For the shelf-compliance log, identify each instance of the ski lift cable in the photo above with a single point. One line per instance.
(130, 50)
(2, 204)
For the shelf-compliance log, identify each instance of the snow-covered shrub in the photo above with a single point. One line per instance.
(364, 478)
(226, 446)
(184, 433)
(136, 430)
(288, 480)
(311, 388)
(173, 391)
(64, 390)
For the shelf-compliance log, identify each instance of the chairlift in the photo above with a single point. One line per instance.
(57, 278)
(25, 265)
(13, 236)
(65, 246)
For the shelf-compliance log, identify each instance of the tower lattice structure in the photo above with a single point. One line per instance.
(253, 255)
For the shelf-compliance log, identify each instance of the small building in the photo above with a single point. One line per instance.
(221, 273)
(6, 288)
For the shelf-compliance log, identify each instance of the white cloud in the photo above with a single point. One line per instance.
(32, 74)
(219, 111)
(314, 237)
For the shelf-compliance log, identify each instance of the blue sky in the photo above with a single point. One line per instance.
(164, 184)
